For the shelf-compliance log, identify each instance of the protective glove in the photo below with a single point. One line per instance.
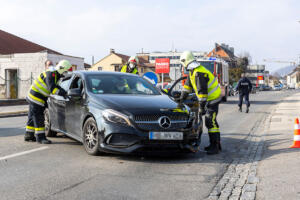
(63, 93)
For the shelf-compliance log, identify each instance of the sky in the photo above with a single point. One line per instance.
(266, 29)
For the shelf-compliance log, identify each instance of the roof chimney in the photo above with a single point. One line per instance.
(112, 51)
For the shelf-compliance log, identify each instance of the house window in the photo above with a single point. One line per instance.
(100, 68)
(117, 68)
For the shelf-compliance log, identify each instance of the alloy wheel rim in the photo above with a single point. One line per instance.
(91, 136)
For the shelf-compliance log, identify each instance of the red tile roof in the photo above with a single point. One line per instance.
(10, 44)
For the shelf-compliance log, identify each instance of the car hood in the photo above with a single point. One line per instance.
(135, 104)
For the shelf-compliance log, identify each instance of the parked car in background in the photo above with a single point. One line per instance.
(264, 88)
(277, 88)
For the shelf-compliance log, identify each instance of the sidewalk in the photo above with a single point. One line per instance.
(11, 111)
(278, 170)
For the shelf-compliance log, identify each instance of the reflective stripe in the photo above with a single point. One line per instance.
(202, 95)
(202, 99)
(39, 132)
(187, 88)
(42, 81)
(36, 100)
(213, 130)
(213, 90)
(38, 85)
(212, 83)
(296, 137)
(40, 129)
(296, 126)
(38, 90)
(30, 129)
(54, 91)
(215, 101)
(214, 121)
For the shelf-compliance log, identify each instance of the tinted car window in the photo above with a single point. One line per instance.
(112, 84)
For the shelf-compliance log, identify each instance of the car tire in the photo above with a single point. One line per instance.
(91, 139)
(48, 131)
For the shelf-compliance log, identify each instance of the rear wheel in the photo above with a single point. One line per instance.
(91, 137)
(48, 131)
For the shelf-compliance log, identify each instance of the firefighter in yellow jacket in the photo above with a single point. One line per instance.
(40, 90)
(206, 86)
(131, 66)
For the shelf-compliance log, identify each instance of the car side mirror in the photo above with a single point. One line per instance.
(75, 92)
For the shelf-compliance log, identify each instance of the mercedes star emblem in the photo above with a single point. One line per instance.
(164, 122)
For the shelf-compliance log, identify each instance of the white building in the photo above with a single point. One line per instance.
(22, 61)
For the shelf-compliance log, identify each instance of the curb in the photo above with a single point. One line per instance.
(14, 114)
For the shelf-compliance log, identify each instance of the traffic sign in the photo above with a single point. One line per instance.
(151, 77)
(162, 65)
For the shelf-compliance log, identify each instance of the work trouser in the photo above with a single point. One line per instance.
(211, 118)
(241, 97)
(36, 119)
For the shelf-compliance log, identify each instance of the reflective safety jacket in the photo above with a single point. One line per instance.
(44, 85)
(204, 84)
(126, 69)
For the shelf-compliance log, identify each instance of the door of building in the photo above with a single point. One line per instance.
(11, 77)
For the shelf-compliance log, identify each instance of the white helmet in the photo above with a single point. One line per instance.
(188, 60)
(133, 61)
(63, 66)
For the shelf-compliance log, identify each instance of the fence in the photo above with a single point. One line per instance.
(13, 87)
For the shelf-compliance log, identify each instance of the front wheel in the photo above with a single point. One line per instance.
(91, 137)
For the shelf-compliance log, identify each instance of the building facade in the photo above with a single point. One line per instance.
(114, 62)
(21, 61)
(18, 71)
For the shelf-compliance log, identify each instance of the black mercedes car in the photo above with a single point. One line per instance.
(119, 113)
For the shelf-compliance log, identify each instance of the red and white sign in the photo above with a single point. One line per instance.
(260, 79)
(162, 65)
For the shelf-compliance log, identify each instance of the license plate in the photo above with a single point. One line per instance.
(166, 136)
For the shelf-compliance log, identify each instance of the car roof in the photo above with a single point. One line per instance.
(82, 72)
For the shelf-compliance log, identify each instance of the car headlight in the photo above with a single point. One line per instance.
(116, 117)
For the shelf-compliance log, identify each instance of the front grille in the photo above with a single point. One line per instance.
(155, 117)
(150, 122)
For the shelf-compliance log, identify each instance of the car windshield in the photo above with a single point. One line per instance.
(116, 84)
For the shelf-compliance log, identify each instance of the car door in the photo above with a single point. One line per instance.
(75, 108)
(57, 107)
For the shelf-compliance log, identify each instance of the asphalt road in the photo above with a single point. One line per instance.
(63, 170)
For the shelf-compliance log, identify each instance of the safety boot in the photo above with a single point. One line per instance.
(209, 147)
(240, 108)
(29, 137)
(247, 110)
(41, 139)
(215, 145)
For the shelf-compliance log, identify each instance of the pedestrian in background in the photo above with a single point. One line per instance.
(48, 63)
(244, 87)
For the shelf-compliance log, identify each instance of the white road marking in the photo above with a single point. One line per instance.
(23, 153)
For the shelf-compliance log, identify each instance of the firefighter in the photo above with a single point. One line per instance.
(131, 66)
(40, 90)
(244, 87)
(208, 91)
